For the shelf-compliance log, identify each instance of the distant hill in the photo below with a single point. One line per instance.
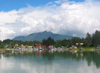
(42, 35)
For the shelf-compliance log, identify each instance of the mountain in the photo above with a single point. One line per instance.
(42, 35)
(19, 38)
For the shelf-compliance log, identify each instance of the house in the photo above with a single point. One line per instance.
(30, 46)
(50, 46)
(37, 45)
(23, 46)
(98, 47)
(6, 46)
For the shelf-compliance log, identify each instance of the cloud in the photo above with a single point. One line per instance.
(5, 32)
(65, 17)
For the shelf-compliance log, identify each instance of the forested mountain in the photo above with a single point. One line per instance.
(42, 35)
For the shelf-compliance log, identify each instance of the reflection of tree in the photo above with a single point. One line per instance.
(0, 55)
(92, 57)
(96, 60)
(49, 56)
(88, 56)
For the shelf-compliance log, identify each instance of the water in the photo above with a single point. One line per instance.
(63, 62)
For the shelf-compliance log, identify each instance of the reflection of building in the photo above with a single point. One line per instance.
(98, 52)
(43, 46)
(37, 52)
(44, 51)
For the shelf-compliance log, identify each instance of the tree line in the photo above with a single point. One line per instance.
(91, 40)
(12, 43)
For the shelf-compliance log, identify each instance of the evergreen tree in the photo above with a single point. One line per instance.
(48, 41)
(1, 44)
(96, 38)
(88, 39)
(43, 42)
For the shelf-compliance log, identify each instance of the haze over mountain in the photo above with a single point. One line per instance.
(42, 35)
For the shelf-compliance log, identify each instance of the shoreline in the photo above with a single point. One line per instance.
(4, 50)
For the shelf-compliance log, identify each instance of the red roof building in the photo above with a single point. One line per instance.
(98, 45)
(37, 45)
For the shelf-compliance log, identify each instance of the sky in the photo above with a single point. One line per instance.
(67, 17)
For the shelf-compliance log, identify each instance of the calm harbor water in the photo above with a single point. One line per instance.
(58, 62)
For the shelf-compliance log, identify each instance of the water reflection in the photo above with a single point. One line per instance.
(47, 62)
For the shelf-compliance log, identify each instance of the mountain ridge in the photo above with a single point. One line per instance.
(42, 35)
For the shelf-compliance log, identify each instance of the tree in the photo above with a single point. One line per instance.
(7, 41)
(48, 41)
(83, 41)
(1, 44)
(96, 38)
(88, 39)
(43, 42)
(58, 43)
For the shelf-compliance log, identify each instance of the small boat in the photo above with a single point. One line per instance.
(40, 49)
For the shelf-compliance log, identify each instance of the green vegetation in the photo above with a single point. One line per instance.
(89, 42)
(48, 41)
(2, 48)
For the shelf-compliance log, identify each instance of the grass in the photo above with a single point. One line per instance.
(74, 49)
(2, 48)
(86, 48)
(97, 49)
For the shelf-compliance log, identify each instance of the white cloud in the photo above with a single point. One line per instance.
(5, 32)
(25, 29)
(8, 17)
(76, 19)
